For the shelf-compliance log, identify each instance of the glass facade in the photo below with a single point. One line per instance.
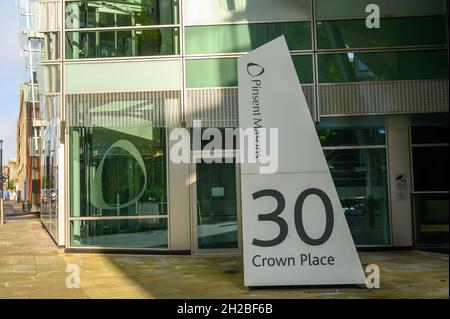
(49, 165)
(120, 13)
(52, 47)
(123, 43)
(124, 28)
(217, 216)
(129, 233)
(382, 66)
(404, 31)
(358, 164)
(119, 173)
(245, 37)
(223, 72)
(429, 144)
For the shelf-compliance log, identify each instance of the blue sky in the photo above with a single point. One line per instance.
(12, 73)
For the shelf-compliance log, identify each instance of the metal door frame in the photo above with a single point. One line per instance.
(193, 207)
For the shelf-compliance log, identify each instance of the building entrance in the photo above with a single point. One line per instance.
(215, 205)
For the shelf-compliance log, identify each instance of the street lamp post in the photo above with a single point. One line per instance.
(1, 183)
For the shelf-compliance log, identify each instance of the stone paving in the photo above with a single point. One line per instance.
(32, 267)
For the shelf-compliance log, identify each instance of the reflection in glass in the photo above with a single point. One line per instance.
(49, 165)
(122, 43)
(216, 206)
(245, 37)
(222, 72)
(351, 136)
(360, 177)
(431, 219)
(382, 66)
(118, 172)
(120, 13)
(405, 31)
(51, 45)
(132, 233)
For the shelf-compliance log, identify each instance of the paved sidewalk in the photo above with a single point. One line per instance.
(13, 211)
(32, 267)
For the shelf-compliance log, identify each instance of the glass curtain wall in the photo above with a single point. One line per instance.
(357, 161)
(216, 193)
(121, 175)
(118, 170)
(429, 150)
(49, 164)
(346, 45)
(121, 28)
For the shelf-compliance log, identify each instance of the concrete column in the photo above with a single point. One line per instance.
(179, 215)
(400, 180)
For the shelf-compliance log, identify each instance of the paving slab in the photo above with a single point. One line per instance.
(31, 266)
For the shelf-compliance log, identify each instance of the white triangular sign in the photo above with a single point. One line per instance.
(294, 228)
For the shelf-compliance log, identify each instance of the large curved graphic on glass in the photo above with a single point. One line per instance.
(96, 191)
(119, 181)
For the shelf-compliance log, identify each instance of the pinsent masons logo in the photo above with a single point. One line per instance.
(254, 69)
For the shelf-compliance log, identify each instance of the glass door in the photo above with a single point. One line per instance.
(216, 210)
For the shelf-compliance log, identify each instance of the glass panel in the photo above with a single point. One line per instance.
(360, 177)
(383, 66)
(126, 76)
(51, 45)
(51, 81)
(357, 8)
(352, 136)
(120, 13)
(223, 72)
(132, 233)
(394, 32)
(429, 134)
(118, 171)
(95, 44)
(217, 222)
(303, 66)
(211, 12)
(107, 44)
(49, 165)
(245, 37)
(211, 73)
(430, 166)
(431, 218)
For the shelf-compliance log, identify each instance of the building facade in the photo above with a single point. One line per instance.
(119, 76)
(11, 183)
(28, 157)
(28, 123)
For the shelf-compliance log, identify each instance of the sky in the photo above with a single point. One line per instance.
(12, 73)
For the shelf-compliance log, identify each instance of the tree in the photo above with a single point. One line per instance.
(11, 186)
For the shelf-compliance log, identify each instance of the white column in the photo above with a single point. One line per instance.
(400, 180)
(179, 215)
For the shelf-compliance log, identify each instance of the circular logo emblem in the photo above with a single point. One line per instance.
(254, 69)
